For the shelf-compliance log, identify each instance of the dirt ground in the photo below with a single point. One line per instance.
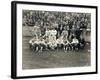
(52, 59)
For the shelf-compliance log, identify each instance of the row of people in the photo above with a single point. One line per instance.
(45, 44)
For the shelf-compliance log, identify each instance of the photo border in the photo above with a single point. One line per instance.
(14, 38)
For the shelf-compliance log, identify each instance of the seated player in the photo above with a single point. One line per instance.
(47, 43)
(60, 43)
(52, 44)
(75, 43)
(42, 44)
(31, 42)
(67, 45)
(81, 43)
(37, 45)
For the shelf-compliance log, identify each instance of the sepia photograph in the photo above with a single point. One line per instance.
(53, 39)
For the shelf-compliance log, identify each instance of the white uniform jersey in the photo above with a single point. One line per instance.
(32, 40)
(52, 36)
(52, 44)
(53, 32)
(47, 33)
(59, 41)
(36, 31)
(75, 40)
(42, 42)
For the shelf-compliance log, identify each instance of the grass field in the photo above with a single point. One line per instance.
(52, 59)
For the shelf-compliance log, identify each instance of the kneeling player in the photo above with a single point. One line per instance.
(67, 45)
(31, 42)
(37, 45)
(60, 43)
(75, 43)
(52, 45)
(42, 45)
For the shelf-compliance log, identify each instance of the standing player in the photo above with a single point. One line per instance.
(36, 31)
(52, 39)
(65, 33)
(46, 37)
(53, 34)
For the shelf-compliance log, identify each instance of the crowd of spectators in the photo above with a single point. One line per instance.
(75, 23)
